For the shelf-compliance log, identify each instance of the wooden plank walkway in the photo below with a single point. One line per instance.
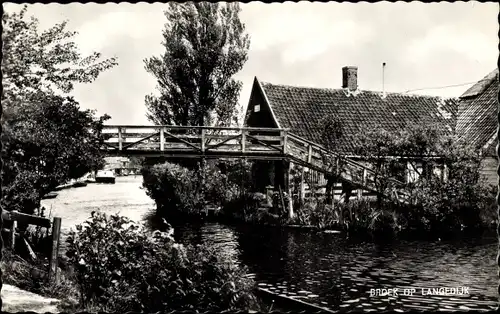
(250, 143)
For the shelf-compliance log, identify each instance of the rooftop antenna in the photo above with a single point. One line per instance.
(383, 79)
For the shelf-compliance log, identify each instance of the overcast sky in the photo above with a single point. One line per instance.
(302, 44)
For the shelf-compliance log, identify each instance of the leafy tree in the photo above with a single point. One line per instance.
(48, 60)
(453, 199)
(46, 138)
(332, 132)
(205, 46)
(377, 147)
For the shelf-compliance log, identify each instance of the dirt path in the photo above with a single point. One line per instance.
(17, 300)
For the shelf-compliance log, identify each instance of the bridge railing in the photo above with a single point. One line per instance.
(203, 140)
(322, 159)
(194, 139)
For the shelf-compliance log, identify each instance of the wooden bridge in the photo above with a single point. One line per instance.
(249, 143)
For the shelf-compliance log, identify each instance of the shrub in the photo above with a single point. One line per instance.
(314, 212)
(457, 204)
(244, 207)
(121, 267)
(174, 187)
(488, 206)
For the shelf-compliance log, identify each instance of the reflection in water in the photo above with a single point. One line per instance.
(75, 205)
(326, 270)
(323, 269)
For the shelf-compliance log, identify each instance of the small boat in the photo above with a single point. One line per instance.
(88, 178)
(105, 176)
(49, 196)
(63, 186)
(79, 184)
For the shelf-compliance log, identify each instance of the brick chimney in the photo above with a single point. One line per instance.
(350, 78)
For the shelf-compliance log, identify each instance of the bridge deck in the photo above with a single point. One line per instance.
(251, 143)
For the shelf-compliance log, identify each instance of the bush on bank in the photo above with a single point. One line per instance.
(119, 266)
(174, 187)
(226, 185)
(463, 202)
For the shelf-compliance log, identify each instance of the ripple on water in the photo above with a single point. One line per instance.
(350, 273)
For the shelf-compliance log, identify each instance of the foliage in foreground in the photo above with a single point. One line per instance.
(121, 267)
(46, 138)
(32, 277)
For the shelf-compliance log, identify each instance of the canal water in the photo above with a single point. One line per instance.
(318, 268)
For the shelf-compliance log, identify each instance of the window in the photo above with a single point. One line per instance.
(256, 108)
(414, 170)
(398, 171)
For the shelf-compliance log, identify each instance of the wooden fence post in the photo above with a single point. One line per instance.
(13, 235)
(56, 233)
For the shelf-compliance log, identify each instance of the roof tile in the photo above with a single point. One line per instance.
(477, 121)
(302, 108)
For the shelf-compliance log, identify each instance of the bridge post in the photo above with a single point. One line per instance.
(284, 142)
(287, 187)
(120, 140)
(302, 187)
(363, 183)
(243, 140)
(347, 190)
(162, 139)
(203, 140)
(281, 174)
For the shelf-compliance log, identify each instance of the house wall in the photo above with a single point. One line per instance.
(263, 117)
(263, 172)
(489, 170)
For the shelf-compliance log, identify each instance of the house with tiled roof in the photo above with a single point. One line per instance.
(117, 164)
(301, 109)
(477, 121)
